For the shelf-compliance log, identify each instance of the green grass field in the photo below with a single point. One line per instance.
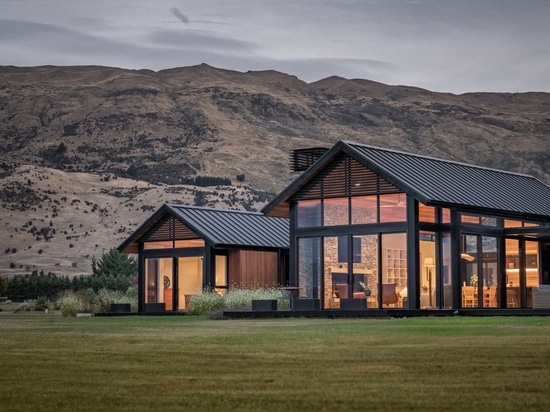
(51, 363)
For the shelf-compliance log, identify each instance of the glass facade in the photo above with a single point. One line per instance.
(354, 244)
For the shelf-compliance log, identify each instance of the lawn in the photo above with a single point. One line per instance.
(52, 363)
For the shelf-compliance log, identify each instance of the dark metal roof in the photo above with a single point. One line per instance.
(439, 182)
(224, 227)
(219, 227)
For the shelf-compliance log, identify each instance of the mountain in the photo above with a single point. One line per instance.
(78, 145)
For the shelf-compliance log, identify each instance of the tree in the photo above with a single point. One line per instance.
(115, 264)
(3, 285)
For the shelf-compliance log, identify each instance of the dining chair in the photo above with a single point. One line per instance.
(512, 298)
(468, 297)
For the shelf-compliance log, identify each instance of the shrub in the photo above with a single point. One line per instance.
(70, 303)
(211, 303)
(106, 297)
(207, 302)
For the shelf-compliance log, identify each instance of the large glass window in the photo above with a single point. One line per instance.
(447, 278)
(190, 279)
(394, 270)
(428, 272)
(522, 272)
(362, 282)
(309, 264)
(468, 271)
(159, 281)
(489, 273)
(221, 273)
(479, 271)
(532, 274)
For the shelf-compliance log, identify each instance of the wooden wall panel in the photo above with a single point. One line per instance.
(250, 268)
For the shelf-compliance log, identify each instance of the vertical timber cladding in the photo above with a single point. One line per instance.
(252, 268)
(345, 176)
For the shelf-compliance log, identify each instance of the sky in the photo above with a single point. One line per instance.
(455, 46)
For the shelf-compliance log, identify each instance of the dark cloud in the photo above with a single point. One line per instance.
(184, 19)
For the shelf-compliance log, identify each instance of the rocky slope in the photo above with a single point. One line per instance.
(89, 141)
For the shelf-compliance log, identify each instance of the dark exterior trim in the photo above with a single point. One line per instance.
(413, 265)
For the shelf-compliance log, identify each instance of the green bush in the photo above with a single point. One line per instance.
(234, 298)
(106, 297)
(70, 303)
(207, 302)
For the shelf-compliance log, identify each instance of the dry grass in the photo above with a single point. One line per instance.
(50, 363)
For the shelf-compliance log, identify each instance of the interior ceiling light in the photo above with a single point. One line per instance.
(467, 257)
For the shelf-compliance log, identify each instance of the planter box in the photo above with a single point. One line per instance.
(120, 308)
(353, 304)
(306, 304)
(264, 304)
(154, 307)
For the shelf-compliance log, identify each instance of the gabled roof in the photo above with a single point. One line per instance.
(218, 227)
(438, 182)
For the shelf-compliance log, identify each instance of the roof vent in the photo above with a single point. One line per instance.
(302, 159)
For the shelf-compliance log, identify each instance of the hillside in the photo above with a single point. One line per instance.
(104, 146)
(57, 221)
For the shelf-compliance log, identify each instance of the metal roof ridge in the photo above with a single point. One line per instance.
(352, 144)
(213, 209)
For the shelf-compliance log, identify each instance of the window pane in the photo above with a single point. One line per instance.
(468, 271)
(189, 243)
(426, 213)
(221, 273)
(308, 213)
(491, 284)
(363, 209)
(532, 269)
(394, 269)
(469, 219)
(447, 277)
(393, 208)
(365, 270)
(428, 271)
(336, 211)
(445, 215)
(309, 263)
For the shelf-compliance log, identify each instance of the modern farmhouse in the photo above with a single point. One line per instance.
(378, 228)
(363, 228)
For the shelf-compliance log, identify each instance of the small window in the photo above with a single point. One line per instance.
(393, 208)
(363, 209)
(336, 211)
(426, 213)
(308, 213)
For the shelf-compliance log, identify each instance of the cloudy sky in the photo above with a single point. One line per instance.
(442, 45)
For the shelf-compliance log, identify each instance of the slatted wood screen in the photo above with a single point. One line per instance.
(345, 176)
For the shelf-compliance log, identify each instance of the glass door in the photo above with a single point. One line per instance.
(159, 281)
(190, 279)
